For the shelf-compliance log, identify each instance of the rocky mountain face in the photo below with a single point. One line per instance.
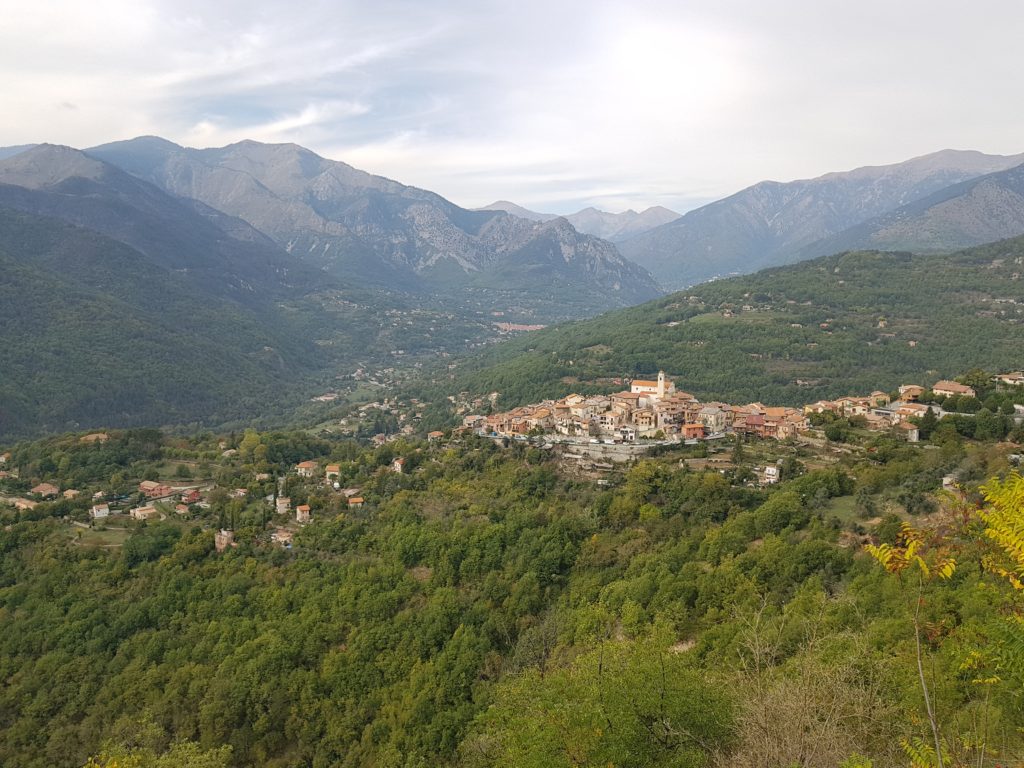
(772, 223)
(971, 213)
(591, 221)
(366, 228)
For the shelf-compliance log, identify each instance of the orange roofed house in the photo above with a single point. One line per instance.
(155, 490)
(46, 490)
(307, 468)
(951, 388)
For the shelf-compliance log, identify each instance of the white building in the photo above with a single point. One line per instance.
(661, 388)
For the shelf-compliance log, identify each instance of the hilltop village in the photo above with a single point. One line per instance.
(656, 410)
(281, 482)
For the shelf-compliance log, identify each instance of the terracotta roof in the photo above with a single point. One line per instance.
(951, 386)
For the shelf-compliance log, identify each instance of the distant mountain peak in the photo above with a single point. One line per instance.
(775, 222)
(517, 210)
(46, 165)
(358, 226)
(594, 221)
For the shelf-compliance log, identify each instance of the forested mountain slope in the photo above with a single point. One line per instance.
(486, 609)
(853, 322)
(96, 333)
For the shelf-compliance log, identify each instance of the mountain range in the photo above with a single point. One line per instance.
(149, 283)
(369, 230)
(973, 212)
(774, 223)
(178, 286)
(591, 221)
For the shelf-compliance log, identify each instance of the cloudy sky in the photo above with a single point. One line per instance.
(554, 105)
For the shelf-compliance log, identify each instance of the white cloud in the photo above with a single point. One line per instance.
(554, 105)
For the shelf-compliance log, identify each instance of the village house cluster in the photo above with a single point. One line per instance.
(649, 409)
(653, 409)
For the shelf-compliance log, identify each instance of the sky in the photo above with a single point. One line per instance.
(554, 105)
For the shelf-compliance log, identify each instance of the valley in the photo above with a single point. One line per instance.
(300, 466)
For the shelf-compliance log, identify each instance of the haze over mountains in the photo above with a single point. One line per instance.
(774, 223)
(591, 221)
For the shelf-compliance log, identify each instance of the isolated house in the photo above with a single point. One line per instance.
(302, 513)
(283, 537)
(908, 431)
(223, 539)
(332, 472)
(1012, 379)
(154, 490)
(99, 511)
(145, 513)
(398, 465)
(951, 388)
(307, 468)
(46, 490)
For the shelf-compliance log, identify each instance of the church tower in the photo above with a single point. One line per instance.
(661, 383)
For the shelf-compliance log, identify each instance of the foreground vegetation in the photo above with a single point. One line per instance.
(488, 608)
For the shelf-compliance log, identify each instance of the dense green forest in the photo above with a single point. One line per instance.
(488, 607)
(844, 324)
